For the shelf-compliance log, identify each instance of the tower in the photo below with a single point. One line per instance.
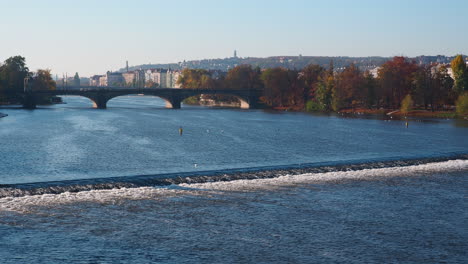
(235, 53)
(127, 66)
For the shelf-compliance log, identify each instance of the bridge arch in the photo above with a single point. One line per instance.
(245, 103)
(90, 98)
(166, 99)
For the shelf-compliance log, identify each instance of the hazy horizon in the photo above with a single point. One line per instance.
(93, 37)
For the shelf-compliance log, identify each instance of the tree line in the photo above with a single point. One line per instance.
(315, 88)
(14, 74)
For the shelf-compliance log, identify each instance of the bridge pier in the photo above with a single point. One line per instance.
(172, 101)
(29, 102)
(99, 101)
(251, 102)
(173, 104)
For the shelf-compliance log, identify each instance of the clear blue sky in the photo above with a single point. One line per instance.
(93, 36)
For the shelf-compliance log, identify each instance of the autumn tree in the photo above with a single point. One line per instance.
(243, 77)
(406, 104)
(276, 85)
(42, 80)
(395, 78)
(462, 105)
(295, 98)
(348, 91)
(195, 79)
(460, 74)
(310, 76)
(150, 84)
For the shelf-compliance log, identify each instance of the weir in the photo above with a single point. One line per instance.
(57, 187)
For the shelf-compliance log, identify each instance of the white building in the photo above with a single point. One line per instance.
(375, 72)
(171, 79)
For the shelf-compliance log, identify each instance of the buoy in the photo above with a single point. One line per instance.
(181, 131)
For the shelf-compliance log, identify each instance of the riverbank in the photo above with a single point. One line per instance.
(398, 113)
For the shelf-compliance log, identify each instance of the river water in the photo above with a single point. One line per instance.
(238, 186)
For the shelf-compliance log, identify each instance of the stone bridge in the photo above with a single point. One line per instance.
(248, 98)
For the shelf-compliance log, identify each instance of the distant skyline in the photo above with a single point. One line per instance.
(91, 37)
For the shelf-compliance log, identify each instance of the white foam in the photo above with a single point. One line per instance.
(366, 174)
(26, 204)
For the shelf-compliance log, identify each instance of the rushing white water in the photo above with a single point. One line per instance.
(27, 203)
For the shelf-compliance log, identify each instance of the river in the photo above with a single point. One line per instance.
(237, 186)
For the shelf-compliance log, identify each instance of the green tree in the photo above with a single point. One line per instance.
(441, 88)
(370, 86)
(12, 74)
(460, 74)
(422, 88)
(325, 88)
(406, 104)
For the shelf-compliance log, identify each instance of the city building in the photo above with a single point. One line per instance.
(129, 78)
(111, 79)
(140, 78)
(171, 79)
(153, 76)
(94, 80)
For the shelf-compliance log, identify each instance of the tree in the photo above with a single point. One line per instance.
(325, 88)
(462, 105)
(310, 75)
(406, 104)
(151, 84)
(276, 83)
(76, 80)
(395, 78)
(460, 74)
(243, 77)
(12, 74)
(42, 80)
(295, 98)
(370, 86)
(194, 78)
(441, 88)
(422, 89)
(348, 91)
